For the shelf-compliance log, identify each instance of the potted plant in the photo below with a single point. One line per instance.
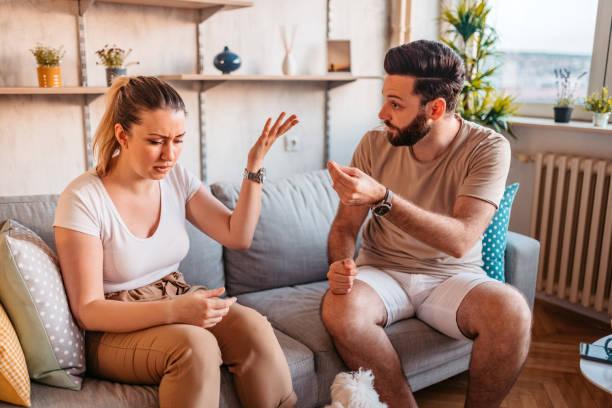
(600, 104)
(48, 60)
(113, 58)
(473, 39)
(566, 86)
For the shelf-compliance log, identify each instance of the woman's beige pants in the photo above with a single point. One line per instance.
(185, 360)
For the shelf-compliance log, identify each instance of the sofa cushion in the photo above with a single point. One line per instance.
(296, 311)
(290, 242)
(14, 379)
(494, 237)
(35, 212)
(203, 264)
(33, 296)
(103, 394)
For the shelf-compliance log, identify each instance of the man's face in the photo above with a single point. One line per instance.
(404, 115)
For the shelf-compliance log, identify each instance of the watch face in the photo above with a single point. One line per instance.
(381, 210)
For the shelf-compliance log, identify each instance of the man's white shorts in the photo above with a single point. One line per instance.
(432, 299)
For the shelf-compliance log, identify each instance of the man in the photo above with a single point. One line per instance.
(433, 182)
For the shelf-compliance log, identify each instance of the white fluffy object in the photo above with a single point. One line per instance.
(355, 390)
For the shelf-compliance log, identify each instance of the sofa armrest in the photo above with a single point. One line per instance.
(521, 263)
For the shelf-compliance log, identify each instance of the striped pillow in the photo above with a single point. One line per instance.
(14, 379)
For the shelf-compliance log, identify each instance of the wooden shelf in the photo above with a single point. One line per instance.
(280, 78)
(189, 4)
(64, 90)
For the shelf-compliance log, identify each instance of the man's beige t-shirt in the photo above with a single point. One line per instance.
(475, 164)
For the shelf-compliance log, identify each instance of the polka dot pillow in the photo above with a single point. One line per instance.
(33, 296)
(494, 239)
(14, 380)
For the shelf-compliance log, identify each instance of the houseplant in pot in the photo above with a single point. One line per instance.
(600, 104)
(566, 86)
(48, 60)
(474, 40)
(113, 58)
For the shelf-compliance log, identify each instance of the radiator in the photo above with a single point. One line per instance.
(572, 218)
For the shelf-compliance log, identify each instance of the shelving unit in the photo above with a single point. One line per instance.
(188, 4)
(64, 90)
(206, 8)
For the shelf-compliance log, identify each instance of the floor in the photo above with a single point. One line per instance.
(551, 377)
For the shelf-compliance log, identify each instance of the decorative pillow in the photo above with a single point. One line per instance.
(14, 380)
(33, 296)
(494, 239)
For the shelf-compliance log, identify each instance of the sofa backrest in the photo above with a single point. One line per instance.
(202, 266)
(290, 242)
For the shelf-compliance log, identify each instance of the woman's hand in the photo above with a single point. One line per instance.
(267, 138)
(202, 308)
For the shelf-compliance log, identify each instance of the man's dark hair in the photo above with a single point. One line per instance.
(438, 70)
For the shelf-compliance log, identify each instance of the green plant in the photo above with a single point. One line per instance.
(48, 56)
(599, 103)
(114, 57)
(473, 40)
(566, 86)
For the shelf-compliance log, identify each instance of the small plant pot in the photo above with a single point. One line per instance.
(112, 73)
(49, 77)
(601, 119)
(562, 114)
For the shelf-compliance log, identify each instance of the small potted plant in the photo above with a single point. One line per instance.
(566, 86)
(113, 58)
(48, 60)
(600, 104)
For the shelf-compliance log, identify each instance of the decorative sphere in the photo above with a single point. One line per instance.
(227, 61)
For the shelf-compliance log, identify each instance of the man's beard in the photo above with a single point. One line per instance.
(411, 134)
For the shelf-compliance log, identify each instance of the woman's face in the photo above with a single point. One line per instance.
(152, 147)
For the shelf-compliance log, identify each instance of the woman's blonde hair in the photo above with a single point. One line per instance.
(126, 99)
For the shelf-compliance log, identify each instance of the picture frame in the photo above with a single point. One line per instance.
(338, 56)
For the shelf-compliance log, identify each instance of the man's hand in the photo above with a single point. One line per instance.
(341, 276)
(354, 187)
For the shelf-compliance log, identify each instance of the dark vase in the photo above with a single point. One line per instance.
(112, 73)
(227, 61)
(562, 114)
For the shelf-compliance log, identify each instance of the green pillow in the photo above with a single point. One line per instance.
(33, 296)
(494, 239)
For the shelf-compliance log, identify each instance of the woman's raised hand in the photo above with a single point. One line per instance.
(267, 138)
(202, 308)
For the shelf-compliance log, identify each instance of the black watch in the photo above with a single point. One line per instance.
(384, 206)
(257, 176)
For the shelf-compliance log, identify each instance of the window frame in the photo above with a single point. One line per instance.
(600, 73)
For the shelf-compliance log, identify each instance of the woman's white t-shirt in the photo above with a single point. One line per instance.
(130, 262)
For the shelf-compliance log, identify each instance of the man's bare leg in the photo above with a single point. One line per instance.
(355, 323)
(498, 319)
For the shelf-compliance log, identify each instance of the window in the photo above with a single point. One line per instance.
(535, 37)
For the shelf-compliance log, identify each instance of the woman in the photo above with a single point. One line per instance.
(120, 235)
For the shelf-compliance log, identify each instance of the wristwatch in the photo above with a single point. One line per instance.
(384, 206)
(257, 176)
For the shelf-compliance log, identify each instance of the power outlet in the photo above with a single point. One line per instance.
(292, 143)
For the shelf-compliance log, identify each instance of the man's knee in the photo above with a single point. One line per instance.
(346, 315)
(506, 313)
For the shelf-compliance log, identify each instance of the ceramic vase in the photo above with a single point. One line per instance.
(49, 77)
(289, 65)
(112, 73)
(601, 119)
(227, 61)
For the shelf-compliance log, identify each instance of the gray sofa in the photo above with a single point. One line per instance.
(282, 275)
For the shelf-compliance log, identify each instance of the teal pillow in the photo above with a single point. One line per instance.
(494, 238)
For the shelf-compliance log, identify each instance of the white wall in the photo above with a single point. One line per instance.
(42, 137)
